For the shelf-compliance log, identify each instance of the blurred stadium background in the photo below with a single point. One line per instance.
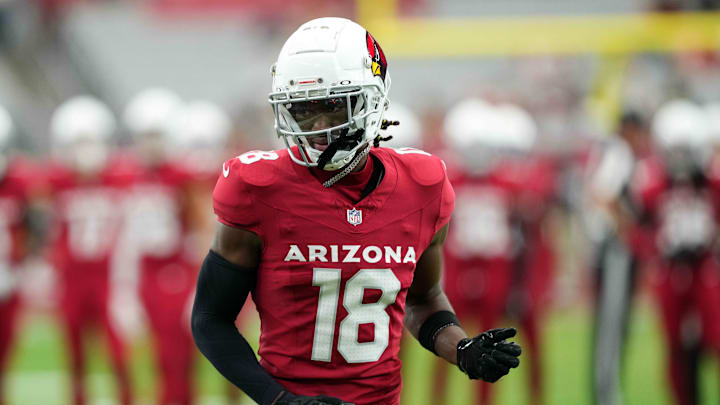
(574, 65)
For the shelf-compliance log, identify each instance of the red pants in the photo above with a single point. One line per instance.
(84, 305)
(689, 302)
(533, 291)
(165, 293)
(8, 313)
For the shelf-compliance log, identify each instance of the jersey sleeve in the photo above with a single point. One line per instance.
(233, 198)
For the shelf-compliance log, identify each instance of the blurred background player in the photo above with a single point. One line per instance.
(531, 179)
(160, 219)
(479, 247)
(85, 189)
(611, 218)
(14, 187)
(682, 205)
(200, 130)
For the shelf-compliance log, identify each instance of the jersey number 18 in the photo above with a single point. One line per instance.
(358, 313)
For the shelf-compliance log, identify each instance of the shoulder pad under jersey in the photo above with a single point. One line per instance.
(429, 172)
(239, 182)
(257, 168)
(424, 168)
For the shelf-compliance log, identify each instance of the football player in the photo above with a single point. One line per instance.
(532, 180)
(84, 188)
(160, 221)
(14, 188)
(681, 205)
(479, 252)
(339, 242)
(201, 130)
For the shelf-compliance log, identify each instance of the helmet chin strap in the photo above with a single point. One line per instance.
(348, 168)
(345, 141)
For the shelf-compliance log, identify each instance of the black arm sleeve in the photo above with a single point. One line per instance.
(222, 289)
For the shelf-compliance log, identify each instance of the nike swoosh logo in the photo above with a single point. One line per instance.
(226, 170)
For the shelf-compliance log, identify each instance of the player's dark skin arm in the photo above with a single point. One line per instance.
(237, 246)
(235, 255)
(426, 297)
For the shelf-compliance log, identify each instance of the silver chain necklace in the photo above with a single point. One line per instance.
(349, 168)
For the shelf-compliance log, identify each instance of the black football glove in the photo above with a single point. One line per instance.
(290, 399)
(488, 356)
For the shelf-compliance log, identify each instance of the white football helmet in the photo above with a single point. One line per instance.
(329, 91)
(474, 133)
(7, 131)
(151, 111)
(149, 117)
(408, 133)
(81, 129)
(680, 129)
(200, 133)
(680, 124)
(516, 127)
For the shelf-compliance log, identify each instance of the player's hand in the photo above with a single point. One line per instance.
(289, 399)
(488, 356)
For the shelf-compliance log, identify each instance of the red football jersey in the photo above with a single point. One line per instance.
(680, 215)
(158, 214)
(88, 215)
(334, 274)
(479, 246)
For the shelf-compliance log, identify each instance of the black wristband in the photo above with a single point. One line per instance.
(433, 325)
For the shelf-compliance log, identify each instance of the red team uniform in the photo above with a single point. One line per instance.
(479, 249)
(159, 216)
(87, 223)
(479, 257)
(534, 183)
(334, 275)
(13, 233)
(682, 217)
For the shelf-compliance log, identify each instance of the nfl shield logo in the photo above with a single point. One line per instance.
(354, 217)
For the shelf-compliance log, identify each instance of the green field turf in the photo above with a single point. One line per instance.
(37, 375)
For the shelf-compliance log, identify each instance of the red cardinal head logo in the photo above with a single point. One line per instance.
(377, 56)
